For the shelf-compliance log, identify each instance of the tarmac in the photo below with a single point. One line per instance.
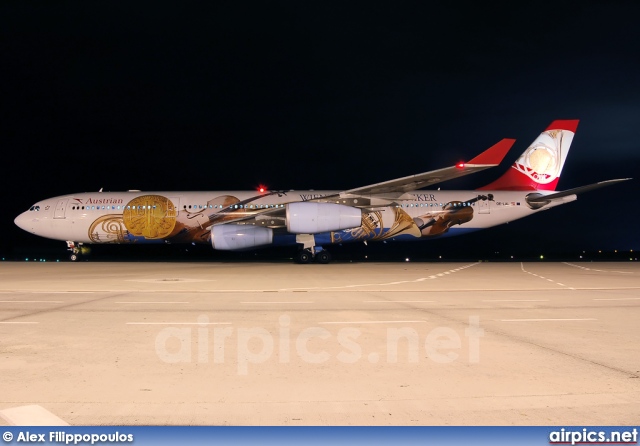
(532, 343)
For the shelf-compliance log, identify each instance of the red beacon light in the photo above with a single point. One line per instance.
(262, 189)
(460, 165)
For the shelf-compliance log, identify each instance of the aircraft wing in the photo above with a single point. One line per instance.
(489, 158)
(275, 218)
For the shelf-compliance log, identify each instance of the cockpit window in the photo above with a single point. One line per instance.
(34, 208)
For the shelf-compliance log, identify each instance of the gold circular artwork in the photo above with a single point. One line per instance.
(542, 161)
(150, 216)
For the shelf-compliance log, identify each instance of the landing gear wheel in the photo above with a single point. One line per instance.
(323, 257)
(304, 256)
(73, 257)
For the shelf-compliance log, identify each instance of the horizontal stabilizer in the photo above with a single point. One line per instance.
(538, 200)
(578, 190)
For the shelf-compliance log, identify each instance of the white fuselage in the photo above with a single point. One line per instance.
(148, 217)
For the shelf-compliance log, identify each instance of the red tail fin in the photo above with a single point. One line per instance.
(539, 167)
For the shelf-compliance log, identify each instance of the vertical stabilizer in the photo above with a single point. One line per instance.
(539, 167)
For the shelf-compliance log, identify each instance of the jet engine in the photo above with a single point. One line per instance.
(313, 218)
(237, 237)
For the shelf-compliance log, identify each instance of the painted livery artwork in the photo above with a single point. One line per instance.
(150, 218)
(397, 209)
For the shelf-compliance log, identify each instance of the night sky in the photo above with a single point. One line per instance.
(320, 95)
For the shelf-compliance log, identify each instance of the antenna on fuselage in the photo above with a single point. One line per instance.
(101, 189)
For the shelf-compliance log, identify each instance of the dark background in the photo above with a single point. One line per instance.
(319, 95)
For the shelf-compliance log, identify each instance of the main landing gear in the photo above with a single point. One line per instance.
(308, 256)
(309, 251)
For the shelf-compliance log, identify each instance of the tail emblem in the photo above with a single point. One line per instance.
(542, 161)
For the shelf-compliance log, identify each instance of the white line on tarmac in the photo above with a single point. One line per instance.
(544, 320)
(369, 322)
(516, 300)
(32, 301)
(421, 279)
(396, 301)
(542, 277)
(152, 302)
(297, 302)
(178, 323)
(599, 270)
(621, 298)
(31, 415)
(60, 292)
(19, 322)
(351, 290)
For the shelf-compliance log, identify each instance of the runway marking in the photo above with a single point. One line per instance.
(516, 300)
(545, 320)
(621, 298)
(171, 280)
(351, 290)
(397, 301)
(599, 270)
(369, 322)
(32, 301)
(542, 277)
(280, 302)
(48, 292)
(421, 279)
(178, 323)
(31, 415)
(19, 322)
(147, 302)
(59, 292)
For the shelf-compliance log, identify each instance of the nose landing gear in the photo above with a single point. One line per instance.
(77, 250)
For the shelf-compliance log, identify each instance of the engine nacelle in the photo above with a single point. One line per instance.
(237, 237)
(313, 218)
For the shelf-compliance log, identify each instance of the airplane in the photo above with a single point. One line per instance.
(399, 209)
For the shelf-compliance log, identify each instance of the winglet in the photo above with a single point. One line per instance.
(494, 154)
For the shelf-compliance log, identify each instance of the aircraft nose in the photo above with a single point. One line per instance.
(22, 221)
